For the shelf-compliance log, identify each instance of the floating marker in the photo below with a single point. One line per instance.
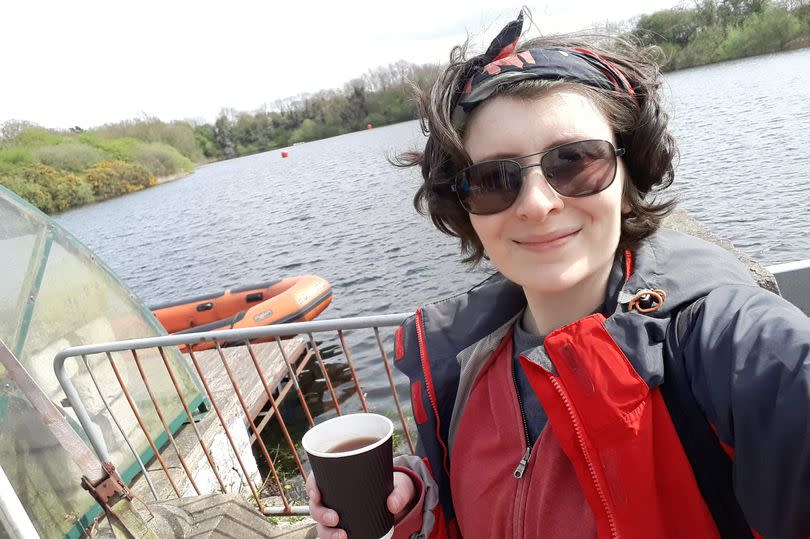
(369, 126)
(285, 153)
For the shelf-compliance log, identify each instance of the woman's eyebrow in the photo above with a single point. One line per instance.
(498, 155)
(557, 141)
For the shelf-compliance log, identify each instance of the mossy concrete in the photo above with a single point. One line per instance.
(682, 222)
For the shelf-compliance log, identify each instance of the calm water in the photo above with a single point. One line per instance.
(338, 209)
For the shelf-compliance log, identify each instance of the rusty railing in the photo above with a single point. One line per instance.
(247, 379)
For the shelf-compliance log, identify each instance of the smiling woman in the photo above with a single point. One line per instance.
(612, 377)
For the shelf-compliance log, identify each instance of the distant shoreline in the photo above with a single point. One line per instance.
(177, 176)
(798, 44)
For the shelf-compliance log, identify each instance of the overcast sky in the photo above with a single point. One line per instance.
(87, 63)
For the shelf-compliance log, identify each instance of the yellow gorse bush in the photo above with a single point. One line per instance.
(114, 178)
(47, 188)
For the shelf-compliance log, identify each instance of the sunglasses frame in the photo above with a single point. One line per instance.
(617, 152)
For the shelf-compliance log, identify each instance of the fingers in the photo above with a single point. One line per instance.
(330, 533)
(403, 493)
(312, 490)
(323, 515)
(325, 518)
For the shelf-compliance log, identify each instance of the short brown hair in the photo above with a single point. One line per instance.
(639, 122)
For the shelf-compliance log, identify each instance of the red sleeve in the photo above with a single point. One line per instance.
(411, 522)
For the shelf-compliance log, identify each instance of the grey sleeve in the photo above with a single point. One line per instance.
(748, 360)
(431, 491)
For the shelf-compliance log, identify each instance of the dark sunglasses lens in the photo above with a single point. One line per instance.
(581, 168)
(490, 187)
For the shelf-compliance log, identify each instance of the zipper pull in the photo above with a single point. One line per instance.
(521, 467)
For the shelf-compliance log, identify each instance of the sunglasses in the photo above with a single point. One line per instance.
(575, 169)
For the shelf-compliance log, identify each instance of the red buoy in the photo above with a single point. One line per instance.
(369, 126)
(284, 153)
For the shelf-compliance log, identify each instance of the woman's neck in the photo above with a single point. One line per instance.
(546, 311)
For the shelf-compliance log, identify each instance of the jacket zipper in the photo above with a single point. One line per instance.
(524, 461)
(581, 440)
(522, 487)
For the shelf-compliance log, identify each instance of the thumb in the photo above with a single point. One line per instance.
(403, 493)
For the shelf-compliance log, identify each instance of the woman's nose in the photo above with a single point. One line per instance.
(536, 199)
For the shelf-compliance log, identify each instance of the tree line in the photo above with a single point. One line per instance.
(382, 96)
(717, 30)
(60, 169)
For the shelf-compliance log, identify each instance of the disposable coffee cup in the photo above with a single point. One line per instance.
(351, 457)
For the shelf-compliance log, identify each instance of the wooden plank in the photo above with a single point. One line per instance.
(247, 379)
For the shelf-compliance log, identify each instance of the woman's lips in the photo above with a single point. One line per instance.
(548, 241)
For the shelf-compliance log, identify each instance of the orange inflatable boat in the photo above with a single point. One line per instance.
(296, 299)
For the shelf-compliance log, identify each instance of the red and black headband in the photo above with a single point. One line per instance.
(500, 65)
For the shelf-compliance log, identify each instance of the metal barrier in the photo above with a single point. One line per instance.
(239, 361)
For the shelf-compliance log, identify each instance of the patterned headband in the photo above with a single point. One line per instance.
(500, 65)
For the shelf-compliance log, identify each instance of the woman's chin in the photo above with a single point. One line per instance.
(548, 280)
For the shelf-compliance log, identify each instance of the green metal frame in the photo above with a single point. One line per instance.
(30, 288)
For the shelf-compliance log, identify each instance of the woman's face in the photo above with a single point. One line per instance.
(545, 242)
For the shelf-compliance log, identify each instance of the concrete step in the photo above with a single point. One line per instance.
(215, 516)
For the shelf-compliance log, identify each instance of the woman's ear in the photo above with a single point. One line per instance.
(625, 206)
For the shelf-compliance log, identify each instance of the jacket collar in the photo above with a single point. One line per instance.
(685, 267)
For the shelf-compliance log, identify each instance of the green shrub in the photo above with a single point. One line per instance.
(280, 139)
(761, 33)
(667, 26)
(114, 178)
(204, 135)
(161, 159)
(665, 54)
(375, 119)
(701, 50)
(122, 149)
(7, 168)
(15, 156)
(32, 192)
(39, 136)
(71, 191)
(179, 135)
(803, 14)
(401, 112)
(308, 130)
(73, 157)
(49, 189)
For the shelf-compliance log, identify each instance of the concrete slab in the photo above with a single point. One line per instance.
(215, 516)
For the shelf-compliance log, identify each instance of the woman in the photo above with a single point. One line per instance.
(614, 379)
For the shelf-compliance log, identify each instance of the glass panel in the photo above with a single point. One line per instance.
(43, 476)
(55, 294)
(20, 241)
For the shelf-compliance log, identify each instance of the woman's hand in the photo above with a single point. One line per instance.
(399, 501)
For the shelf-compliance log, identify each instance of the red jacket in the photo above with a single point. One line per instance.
(610, 462)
